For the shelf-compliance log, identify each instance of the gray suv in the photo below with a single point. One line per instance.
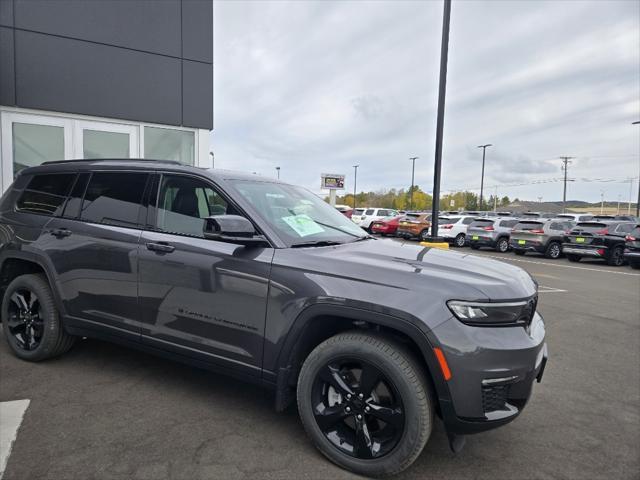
(490, 232)
(540, 236)
(262, 280)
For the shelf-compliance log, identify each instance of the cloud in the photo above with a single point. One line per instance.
(320, 86)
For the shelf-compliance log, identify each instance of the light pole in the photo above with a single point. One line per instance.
(278, 170)
(638, 204)
(413, 169)
(355, 182)
(484, 149)
(213, 163)
(565, 164)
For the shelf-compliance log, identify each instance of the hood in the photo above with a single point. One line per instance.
(414, 267)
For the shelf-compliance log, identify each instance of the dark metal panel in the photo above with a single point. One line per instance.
(197, 30)
(7, 67)
(67, 75)
(6, 13)
(197, 93)
(150, 25)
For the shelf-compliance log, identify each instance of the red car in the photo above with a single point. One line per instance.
(386, 226)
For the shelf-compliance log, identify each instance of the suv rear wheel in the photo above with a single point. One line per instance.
(553, 250)
(364, 402)
(573, 257)
(30, 320)
(502, 245)
(616, 259)
(460, 240)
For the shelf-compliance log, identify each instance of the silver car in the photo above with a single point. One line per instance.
(491, 232)
(540, 235)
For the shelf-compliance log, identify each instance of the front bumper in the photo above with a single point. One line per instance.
(493, 371)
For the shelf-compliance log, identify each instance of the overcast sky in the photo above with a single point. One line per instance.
(319, 86)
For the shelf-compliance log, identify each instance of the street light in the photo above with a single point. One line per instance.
(278, 170)
(413, 169)
(213, 164)
(484, 149)
(355, 182)
(638, 204)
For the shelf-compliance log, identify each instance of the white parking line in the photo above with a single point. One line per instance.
(545, 289)
(559, 265)
(11, 414)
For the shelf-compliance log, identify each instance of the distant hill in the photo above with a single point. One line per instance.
(556, 207)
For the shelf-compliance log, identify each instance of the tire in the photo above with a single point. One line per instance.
(553, 250)
(460, 240)
(424, 235)
(635, 264)
(616, 258)
(399, 372)
(572, 257)
(39, 334)
(519, 252)
(502, 245)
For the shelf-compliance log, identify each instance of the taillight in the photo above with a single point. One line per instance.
(489, 228)
(447, 227)
(604, 231)
(629, 238)
(536, 230)
(601, 251)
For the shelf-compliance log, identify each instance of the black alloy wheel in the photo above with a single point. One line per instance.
(25, 323)
(357, 408)
(616, 259)
(460, 240)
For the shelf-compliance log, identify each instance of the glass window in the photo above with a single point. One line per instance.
(508, 223)
(169, 144)
(369, 212)
(184, 202)
(46, 194)
(114, 198)
(297, 215)
(467, 221)
(481, 223)
(34, 144)
(624, 228)
(101, 144)
(72, 209)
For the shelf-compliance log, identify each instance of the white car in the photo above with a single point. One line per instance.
(575, 217)
(370, 215)
(454, 228)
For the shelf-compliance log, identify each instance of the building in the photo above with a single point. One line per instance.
(104, 78)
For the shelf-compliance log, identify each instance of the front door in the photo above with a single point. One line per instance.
(93, 248)
(200, 297)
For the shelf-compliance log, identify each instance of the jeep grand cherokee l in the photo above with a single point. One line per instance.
(263, 280)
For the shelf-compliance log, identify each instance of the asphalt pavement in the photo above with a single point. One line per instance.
(105, 412)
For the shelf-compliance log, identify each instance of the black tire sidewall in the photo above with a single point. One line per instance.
(460, 240)
(548, 252)
(38, 285)
(500, 242)
(403, 453)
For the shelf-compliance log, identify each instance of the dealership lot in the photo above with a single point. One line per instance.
(105, 412)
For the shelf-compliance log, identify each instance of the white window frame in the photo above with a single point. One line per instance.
(81, 125)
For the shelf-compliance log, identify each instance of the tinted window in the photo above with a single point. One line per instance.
(369, 212)
(556, 226)
(635, 232)
(448, 220)
(72, 209)
(45, 194)
(585, 218)
(184, 202)
(529, 225)
(358, 211)
(383, 213)
(508, 223)
(481, 223)
(114, 198)
(590, 227)
(624, 228)
(467, 221)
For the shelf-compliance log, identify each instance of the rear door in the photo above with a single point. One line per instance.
(93, 248)
(198, 297)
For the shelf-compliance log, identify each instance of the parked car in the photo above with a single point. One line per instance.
(603, 240)
(542, 236)
(370, 215)
(346, 210)
(491, 232)
(575, 217)
(386, 226)
(632, 247)
(454, 229)
(265, 281)
(414, 225)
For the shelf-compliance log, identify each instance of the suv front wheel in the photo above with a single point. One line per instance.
(364, 402)
(30, 320)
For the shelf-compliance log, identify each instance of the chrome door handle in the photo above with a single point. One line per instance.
(160, 247)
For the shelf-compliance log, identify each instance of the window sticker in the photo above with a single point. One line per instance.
(303, 225)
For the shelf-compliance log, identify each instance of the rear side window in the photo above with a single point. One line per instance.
(72, 209)
(624, 228)
(114, 198)
(467, 221)
(46, 194)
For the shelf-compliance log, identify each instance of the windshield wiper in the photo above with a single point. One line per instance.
(316, 243)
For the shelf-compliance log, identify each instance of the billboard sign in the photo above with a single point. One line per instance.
(332, 181)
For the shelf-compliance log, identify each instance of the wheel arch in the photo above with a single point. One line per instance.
(320, 322)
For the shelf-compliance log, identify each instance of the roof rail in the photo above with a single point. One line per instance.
(53, 162)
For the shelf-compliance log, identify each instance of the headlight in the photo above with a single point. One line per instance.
(490, 314)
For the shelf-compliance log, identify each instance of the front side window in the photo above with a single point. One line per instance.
(114, 198)
(297, 215)
(46, 194)
(184, 203)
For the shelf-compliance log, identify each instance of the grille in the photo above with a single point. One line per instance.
(494, 397)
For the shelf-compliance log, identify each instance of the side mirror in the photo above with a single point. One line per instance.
(232, 229)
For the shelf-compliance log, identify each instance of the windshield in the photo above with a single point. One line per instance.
(297, 215)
